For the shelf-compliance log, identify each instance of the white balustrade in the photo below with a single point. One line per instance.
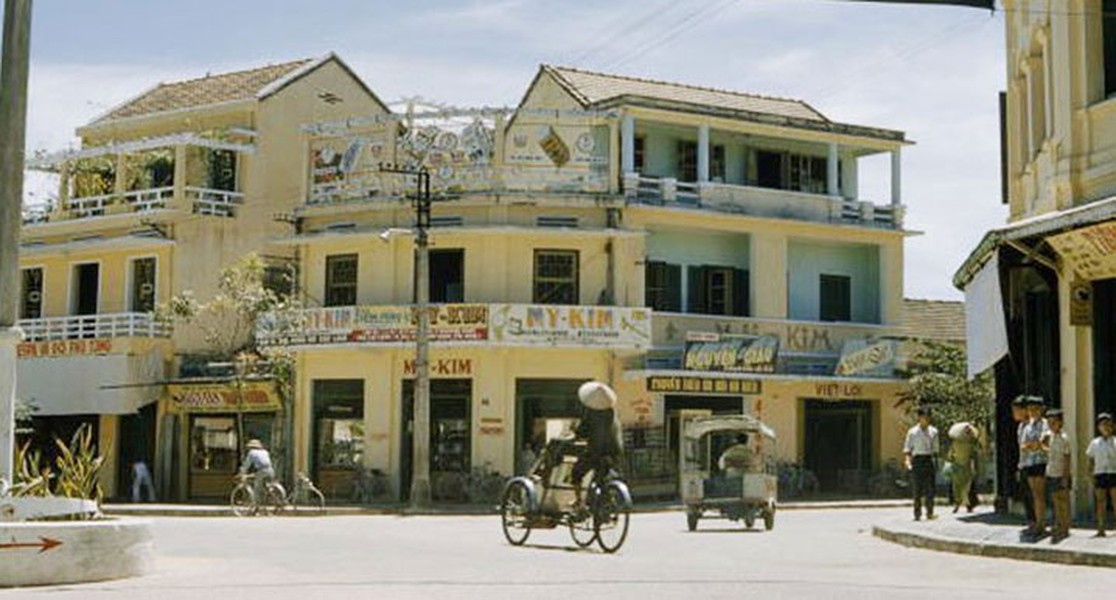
(149, 199)
(111, 325)
(212, 202)
(89, 206)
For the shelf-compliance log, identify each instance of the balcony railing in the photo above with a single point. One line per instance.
(113, 325)
(200, 200)
(762, 202)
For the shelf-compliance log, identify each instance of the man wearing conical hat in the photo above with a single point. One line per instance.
(258, 462)
(600, 428)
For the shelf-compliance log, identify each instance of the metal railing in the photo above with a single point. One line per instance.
(203, 201)
(89, 206)
(112, 325)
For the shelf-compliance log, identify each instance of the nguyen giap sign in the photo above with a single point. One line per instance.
(731, 353)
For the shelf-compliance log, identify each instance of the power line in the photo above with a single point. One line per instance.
(656, 11)
(693, 19)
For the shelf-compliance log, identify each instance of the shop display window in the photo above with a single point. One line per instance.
(213, 444)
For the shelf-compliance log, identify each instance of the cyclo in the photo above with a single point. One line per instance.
(742, 483)
(546, 497)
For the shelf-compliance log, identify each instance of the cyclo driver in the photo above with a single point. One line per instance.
(601, 430)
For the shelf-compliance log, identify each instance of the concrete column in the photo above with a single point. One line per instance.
(849, 183)
(831, 179)
(891, 282)
(685, 288)
(9, 338)
(896, 177)
(180, 176)
(1076, 357)
(627, 144)
(703, 153)
(769, 274)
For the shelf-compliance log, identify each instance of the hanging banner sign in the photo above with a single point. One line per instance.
(577, 326)
(377, 324)
(866, 358)
(731, 353)
(1090, 251)
(253, 396)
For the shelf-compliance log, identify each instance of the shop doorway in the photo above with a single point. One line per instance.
(838, 444)
(450, 438)
(1104, 346)
(544, 408)
(137, 443)
(216, 448)
(338, 435)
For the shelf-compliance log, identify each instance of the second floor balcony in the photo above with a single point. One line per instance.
(97, 326)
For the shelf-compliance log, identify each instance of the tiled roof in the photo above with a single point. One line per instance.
(940, 320)
(211, 89)
(593, 88)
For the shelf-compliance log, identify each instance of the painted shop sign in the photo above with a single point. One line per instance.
(672, 329)
(64, 348)
(702, 385)
(254, 396)
(579, 326)
(731, 353)
(1090, 250)
(834, 391)
(867, 358)
(442, 367)
(448, 322)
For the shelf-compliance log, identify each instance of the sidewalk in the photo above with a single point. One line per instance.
(222, 510)
(985, 533)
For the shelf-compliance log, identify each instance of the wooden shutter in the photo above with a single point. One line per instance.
(741, 292)
(697, 290)
(673, 288)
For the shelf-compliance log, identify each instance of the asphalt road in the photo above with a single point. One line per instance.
(810, 554)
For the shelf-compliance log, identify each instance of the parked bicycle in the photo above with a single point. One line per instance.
(304, 493)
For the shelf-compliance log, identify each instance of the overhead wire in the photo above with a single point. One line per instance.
(630, 29)
(691, 20)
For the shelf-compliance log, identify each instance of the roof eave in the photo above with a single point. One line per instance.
(98, 127)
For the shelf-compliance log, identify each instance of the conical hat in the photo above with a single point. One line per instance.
(596, 395)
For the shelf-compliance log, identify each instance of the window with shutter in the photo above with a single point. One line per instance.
(556, 277)
(835, 298)
(687, 161)
(663, 287)
(1108, 25)
(143, 285)
(341, 280)
(31, 294)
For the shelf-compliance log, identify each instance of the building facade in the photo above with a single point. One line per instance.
(1040, 291)
(703, 251)
(167, 189)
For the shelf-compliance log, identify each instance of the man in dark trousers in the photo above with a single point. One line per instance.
(920, 451)
(1021, 490)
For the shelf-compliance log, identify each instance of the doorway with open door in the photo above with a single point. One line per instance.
(85, 297)
(450, 439)
(839, 443)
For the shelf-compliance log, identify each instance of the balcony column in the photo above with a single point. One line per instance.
(831, 181)
(63, 190)
(849, 184)
(703, 153)
(627, 144)
(769, 274)
(896, 179)
(179, 199)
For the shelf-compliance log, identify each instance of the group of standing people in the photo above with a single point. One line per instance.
(1046, 467)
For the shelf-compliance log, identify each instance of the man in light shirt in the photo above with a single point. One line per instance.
(1032, 458)
(1102, 459)
(258, 462)
(919, 450)
(1059, 474)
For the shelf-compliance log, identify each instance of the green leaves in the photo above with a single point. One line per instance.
(78, 475)
(938, 379)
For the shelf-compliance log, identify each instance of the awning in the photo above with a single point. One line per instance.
(1039, 226)
(985, 327)
(80, 385)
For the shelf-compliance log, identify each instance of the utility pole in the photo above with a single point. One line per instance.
(420, 459)
(13, 124)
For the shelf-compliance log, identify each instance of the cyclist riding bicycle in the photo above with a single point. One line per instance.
(601, 430)
(258, 462)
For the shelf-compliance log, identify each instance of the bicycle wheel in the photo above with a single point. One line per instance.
(583, 531)
(242, 500)
(515, 513)
(276, 498)
(610, 517)
(313, 499)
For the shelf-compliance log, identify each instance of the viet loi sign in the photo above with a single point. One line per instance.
(578, 326)
(64, 348)
(867, 358)
(702, 385)
(382, 324)
(253, 396)
(732, 353)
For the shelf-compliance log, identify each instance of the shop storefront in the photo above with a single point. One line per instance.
(450, 438)
(544, 408)
(338, 435)
(217, 419)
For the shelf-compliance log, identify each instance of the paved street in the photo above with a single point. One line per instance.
(814, 553)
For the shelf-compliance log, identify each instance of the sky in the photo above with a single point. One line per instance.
(932, 72)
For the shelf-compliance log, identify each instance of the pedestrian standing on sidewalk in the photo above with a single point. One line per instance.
(1033, 458)
(1102, 460)
(1059, 473)
(920, 450)
(1020, 489)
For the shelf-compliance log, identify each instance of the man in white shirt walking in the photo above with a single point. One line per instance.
(920, 450)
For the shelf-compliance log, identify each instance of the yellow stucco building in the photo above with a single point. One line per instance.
(704, 251)
(1041, 290)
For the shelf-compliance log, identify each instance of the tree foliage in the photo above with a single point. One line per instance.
(938, 379)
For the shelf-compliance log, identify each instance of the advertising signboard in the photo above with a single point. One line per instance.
(731, 353)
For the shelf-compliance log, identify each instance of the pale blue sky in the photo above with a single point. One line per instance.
(930, 71)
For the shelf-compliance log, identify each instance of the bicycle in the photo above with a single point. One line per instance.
(243, 497)
(307, 494)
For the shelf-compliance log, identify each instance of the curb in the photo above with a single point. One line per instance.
(939, 543)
